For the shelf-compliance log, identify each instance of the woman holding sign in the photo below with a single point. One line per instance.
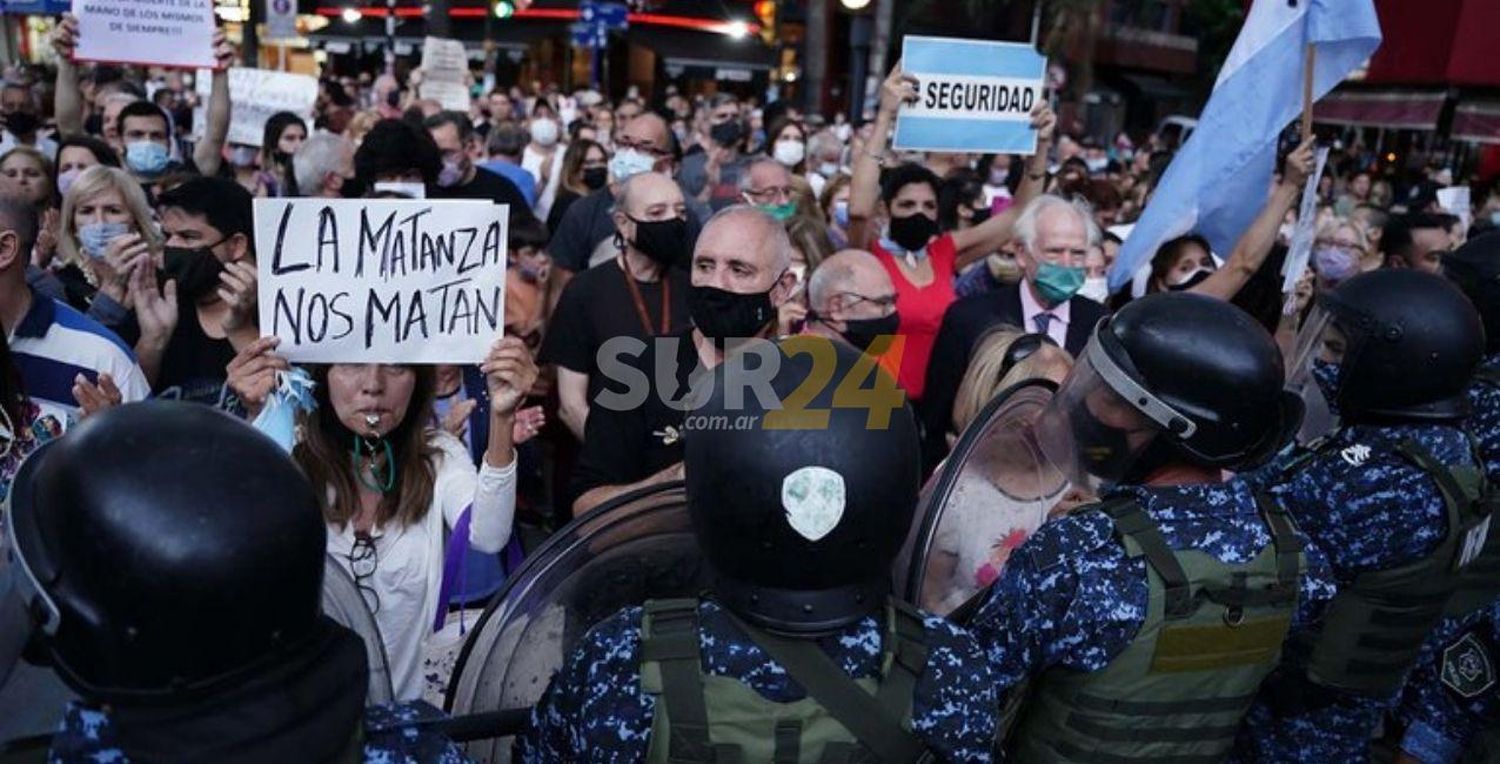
(920, 257)
(392, 487)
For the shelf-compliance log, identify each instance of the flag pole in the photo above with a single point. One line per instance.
(1307, 91)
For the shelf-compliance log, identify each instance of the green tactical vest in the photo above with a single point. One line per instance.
(1375, 626)
(1479, 583)
(706, 718)
(1177, 693)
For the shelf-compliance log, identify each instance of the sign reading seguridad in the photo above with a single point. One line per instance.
(974, 96)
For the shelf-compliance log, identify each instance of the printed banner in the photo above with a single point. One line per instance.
(975, 96)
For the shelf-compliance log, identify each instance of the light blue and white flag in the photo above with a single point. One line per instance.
(1220, 179)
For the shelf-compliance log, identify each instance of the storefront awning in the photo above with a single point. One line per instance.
(1388, 109)
(1447, 42)
(1477, 122)
(705, 54)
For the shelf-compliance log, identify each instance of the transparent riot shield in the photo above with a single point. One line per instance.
(343, 603)
(637, 547)
(994, 489)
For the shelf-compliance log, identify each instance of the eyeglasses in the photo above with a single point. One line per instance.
(1021, 348)
(886, 303)
(622, 143)
(362, 562)
(1347, 246)
(773, 194)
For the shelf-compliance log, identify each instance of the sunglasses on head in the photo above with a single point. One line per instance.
(1023, 347)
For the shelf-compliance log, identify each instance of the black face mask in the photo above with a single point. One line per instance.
(912, 232)
(1195, 280)
(722, 315)
(21, 122)
(196, 271)
(664, 241)
(281, 157)
(594, 178)
(861, 332)
(1101, 448)
(727, 134)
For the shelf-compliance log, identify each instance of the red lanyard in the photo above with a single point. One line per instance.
(640, 303)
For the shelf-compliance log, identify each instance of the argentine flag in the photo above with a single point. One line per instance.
(1220, 179)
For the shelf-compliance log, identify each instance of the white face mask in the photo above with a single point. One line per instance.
(1095, 288)
(544, 132)
(789, 153)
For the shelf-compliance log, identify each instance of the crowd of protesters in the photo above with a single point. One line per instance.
(128, 271)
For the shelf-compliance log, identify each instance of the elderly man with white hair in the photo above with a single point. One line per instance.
(322, 165)
(1054, 236)
(740, 274)
(851, 298)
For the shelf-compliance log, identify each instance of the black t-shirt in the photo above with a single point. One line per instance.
(490, 187)
(596, 306)
(193, 366)
(560, 207)
(625, 446)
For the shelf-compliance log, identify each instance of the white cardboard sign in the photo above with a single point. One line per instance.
(254, 95)
(176, 33)
(381, 281)
(444, 64)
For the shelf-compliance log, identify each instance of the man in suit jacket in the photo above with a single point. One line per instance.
(1055, 236)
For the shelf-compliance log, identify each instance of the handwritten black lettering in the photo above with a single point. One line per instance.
(328, 237)
(377, 238)
(388, 312)
(277, 268)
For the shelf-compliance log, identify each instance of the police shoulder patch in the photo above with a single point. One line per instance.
(1468, 668)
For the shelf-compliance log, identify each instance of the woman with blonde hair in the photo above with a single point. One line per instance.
(1006, 497)
(106, 231)
(1341, 251)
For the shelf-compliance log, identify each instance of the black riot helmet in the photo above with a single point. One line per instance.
(1410, 342)
(1475, 269)
(800, 518)
(165, 549)
(1171, 377)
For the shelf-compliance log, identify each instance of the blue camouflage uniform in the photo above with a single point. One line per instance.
(1440, 718)
(1368, 509)
(1072, 598)
(595, 709)
(393, 735)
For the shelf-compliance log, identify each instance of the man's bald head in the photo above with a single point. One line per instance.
(639, 193)
(648, 129)
(848, 272)
(744, 250)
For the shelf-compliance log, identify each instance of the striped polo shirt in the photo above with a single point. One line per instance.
(54, 343)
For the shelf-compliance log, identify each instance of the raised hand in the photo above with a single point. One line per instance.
(238, 290)
(252, 373)
(94, 398)
(155, 310)
(509, 373)
(897, 89)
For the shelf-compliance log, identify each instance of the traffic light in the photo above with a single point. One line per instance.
(765, 11)
(504, 9)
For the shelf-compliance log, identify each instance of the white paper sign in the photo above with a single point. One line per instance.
(177, 33)
(381, 281)
(444, 64)
(1456, 200)
(281, 20)
(1299, 249)
(254, 95)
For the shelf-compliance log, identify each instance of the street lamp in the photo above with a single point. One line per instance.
(350, 15)
(737, 29)
(855, 5)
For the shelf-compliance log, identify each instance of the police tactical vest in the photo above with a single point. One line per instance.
(1211, 634)
(702, 717)
(1376, 624)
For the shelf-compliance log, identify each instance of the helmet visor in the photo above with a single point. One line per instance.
(1101, 421)
(1319, 342)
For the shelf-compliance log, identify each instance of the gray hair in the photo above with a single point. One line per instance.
(319, 155)
(1027, 222)
(828, 279)
(749, 168)
(825, 144)
(775, 232)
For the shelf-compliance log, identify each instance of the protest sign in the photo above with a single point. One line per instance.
(974, 96)
(176, 33)
(254, 95)
(281, 20)
(444, 64)
(381, 281)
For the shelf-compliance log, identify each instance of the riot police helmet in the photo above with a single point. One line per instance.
(165, 549)
(801, 498)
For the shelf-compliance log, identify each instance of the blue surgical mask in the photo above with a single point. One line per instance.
(629, 162)
(94, 238)
(146, 157)
(1058, 283)
(1335, 264)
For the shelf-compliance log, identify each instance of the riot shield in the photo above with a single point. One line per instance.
(345, 605)
(637, 547)
(994, 489)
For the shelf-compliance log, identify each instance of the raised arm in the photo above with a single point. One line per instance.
(68, 106)
(991, 235)
(1250, 251)
(209, 152)
(864, 187)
